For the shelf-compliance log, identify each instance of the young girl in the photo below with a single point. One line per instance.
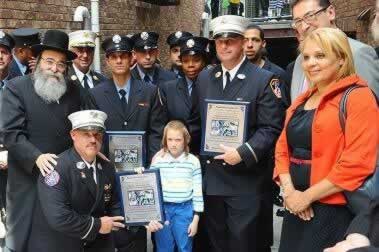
(182, 191)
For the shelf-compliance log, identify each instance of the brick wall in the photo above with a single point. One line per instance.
(116, 16)
(347, 12)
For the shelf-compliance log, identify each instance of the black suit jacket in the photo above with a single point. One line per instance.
(30, 127)
(67, 215)
(160, 75)
(97, 78)
(176, 99)
(14, 70)
(264, 126)
(144, 111)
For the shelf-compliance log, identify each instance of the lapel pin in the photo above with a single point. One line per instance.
(218, 74)
(241, 76)
(83, 175)
(99, 166)
(95, 77)
(73, 77)
(80, 165)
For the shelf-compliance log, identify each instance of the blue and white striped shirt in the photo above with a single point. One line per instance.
(181, 179)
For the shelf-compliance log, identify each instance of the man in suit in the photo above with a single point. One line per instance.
(146, 53)
(6, 45)
(34, 129)
(77, 199)
(131, 105)
(309, 15)
(23, 61)
(236, 179)
(173, 41)
(82, 43)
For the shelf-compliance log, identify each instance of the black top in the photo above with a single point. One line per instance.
(299, 133)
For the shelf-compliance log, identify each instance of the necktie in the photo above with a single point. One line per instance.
(227, 75)
(147, 79)
(123, 99)
(85, 82)
(92, 171)
(27, 71)
(1, 84)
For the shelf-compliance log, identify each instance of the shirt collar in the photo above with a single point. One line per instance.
(142, 73)
(233, 71)
(126, 86)
(189, 82)
(80, 74)
(21, 66)
(90, 165)
(170, 158)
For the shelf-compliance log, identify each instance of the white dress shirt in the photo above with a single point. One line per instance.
(232, 72)
(80, 76)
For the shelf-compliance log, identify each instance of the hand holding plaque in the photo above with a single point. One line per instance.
(225, 124)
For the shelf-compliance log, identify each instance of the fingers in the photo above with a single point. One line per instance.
(102, 156)
(220, 156)
(118, 225)
(117, 218)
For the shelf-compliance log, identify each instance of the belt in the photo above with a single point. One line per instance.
(300, 161)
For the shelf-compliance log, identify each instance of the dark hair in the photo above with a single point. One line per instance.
(322, 3)
(256, 27)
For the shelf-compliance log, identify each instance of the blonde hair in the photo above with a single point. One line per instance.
(333, 42)
(176, 125)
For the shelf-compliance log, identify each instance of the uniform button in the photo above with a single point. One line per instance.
(208, 162)
(125, 123)
(223, 163)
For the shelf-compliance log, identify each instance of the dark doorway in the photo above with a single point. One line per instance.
(282, 51)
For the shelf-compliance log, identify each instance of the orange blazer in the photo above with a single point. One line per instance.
(344, 159)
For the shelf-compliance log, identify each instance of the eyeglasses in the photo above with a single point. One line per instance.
(308, 19)
(61, 66)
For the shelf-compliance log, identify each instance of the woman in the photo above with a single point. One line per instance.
(315, 159)
(176, 95)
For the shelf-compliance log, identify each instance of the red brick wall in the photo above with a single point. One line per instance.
(347, 12)
(121, 16)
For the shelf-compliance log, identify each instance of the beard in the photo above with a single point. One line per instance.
(48, 85)
(375, 30)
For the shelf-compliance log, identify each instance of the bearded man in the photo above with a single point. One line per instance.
(35, 129)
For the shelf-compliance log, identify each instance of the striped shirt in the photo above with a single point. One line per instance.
(181, 179)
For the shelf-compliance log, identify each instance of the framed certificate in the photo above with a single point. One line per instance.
(140, 196)
(225, 123)
(126, 149)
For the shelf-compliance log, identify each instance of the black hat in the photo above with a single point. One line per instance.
(173, 38)
(6, 40)
(117, 43)
(26, 37)
(193, 45)
(55, 40)
(145, 40)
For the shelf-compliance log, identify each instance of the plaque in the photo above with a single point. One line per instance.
(140, 196)
(225, 123)
(126, 149)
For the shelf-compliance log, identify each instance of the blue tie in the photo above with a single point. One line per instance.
(147, 79)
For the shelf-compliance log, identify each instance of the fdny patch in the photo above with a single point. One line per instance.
(52, 179)
(275, 87)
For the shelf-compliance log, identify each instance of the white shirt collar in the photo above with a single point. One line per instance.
(80, 76)
(90, 165)
(170, 158)
(233, 71)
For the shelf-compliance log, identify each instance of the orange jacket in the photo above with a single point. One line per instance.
(344, 159)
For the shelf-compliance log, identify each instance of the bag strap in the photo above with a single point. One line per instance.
(342, 114)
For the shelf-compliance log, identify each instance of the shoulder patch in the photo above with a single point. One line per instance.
(275, 87)
(52, 179)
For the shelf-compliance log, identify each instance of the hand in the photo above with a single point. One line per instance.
(3, 160)
(297, 202)
(307, 214)
(154, 226)
(139, 170)
(3, 165)
(110, 223)
(45, 163)
(352, 241)
(230, 156)
(102, 156)
(192, 229)
(32, 64)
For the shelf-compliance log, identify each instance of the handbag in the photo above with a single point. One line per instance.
(359, 200)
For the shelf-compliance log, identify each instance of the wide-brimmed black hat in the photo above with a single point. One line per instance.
(174, 38)
(193, 45)
(117, 43)
(55, 40)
